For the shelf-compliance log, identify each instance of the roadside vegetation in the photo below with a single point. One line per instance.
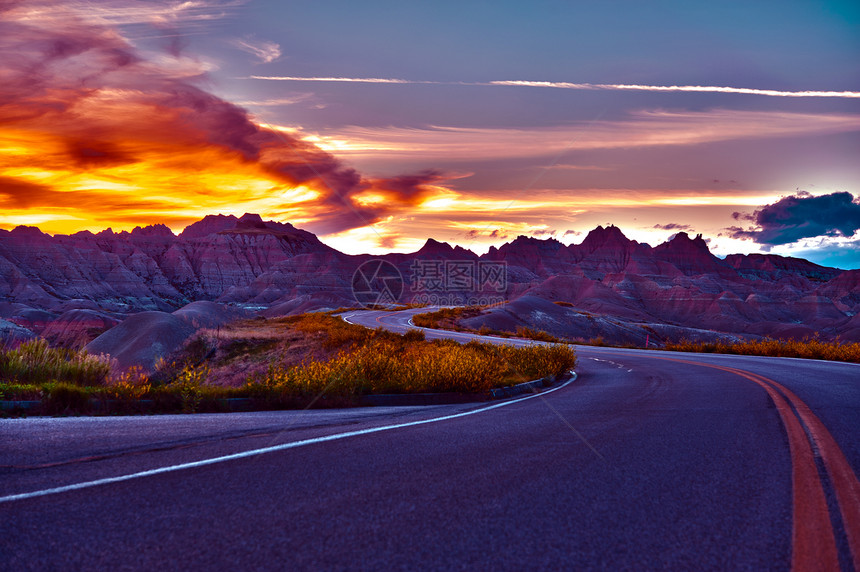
(449, 319)
(35, 362)
(807, 348)
(353, 360)
(314, 360)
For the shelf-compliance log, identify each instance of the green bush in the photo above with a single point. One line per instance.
(66, 398)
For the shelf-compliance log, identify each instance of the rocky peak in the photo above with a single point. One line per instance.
(549, 243)
(153, 230)
(295, 240)
(435, 248)
(682, 241)
(604, 249)
(524, 247)
(23, 231)
(691, 255)
(211, 224)
(250, 221)
(282, 227)
(600, 237)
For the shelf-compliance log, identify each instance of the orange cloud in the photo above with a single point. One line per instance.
(92, 131)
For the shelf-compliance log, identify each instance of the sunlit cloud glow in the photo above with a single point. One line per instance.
(98, 133)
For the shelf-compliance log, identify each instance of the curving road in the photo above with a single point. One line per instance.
(649, 460)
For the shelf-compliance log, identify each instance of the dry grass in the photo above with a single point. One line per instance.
(287, 362)
(538, 335)
(374, 361)
(806, 348)
(446, 318)
(36, 362)
(449, 318)
(410, 364)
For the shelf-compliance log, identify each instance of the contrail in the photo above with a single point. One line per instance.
(691, 88)
(581, 86)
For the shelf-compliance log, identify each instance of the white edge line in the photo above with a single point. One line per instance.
(264, 450)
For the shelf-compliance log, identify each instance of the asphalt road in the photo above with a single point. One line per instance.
(649, 460)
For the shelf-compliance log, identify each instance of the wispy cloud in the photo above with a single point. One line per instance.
(264, 50)
(109, 13)
(340, 79)
(641, 129)
(581, 86)
(277, 101)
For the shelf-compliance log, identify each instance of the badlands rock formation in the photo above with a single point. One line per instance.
(85, 288)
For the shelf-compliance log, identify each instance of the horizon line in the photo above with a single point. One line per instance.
(691, 234)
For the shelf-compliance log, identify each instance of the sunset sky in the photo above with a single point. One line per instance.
(379, 124)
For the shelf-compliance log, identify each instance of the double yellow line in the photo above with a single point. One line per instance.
(813, 545)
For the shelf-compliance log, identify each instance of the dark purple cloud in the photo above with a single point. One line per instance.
(87, 154)
(409, 189)
(801, 216)
(497, 234)
(673, 226)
